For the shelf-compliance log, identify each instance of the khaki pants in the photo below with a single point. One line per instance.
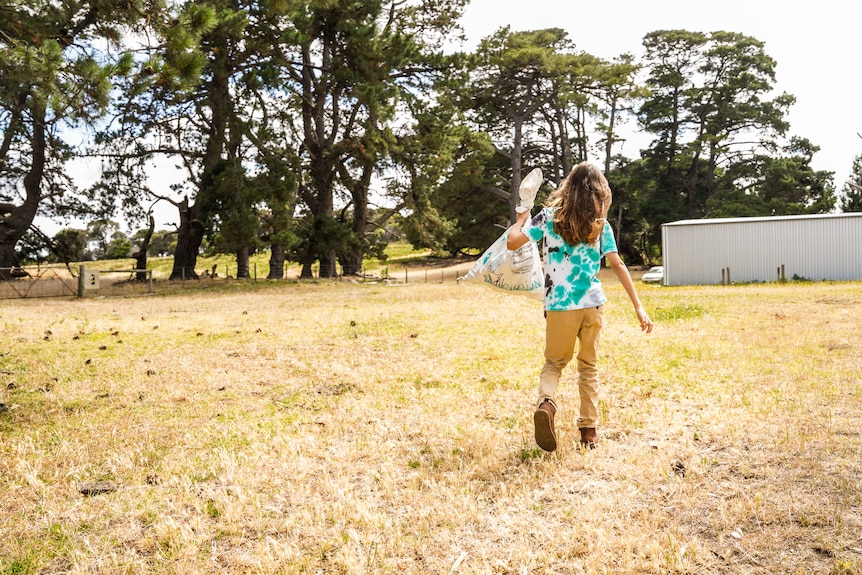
(562, 330)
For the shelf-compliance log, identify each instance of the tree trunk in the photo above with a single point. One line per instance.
(516, 160)
(319, 106)
(566, 163)
(619, 230)
(7, 259)
(141, 255)
(242, 266)
(691, 185)
(276, 262)
(609, 137)
(327, 265)
(12, 228)
(189, 238)
(307, 273)
(351, 264)
(581, 137)
(14, 225)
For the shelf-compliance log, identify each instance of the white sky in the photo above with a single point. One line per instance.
(817, 46)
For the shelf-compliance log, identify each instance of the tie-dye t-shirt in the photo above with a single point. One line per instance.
(570, 271)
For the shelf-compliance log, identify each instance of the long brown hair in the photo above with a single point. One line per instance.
(582, 201)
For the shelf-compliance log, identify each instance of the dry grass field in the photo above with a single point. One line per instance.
(326, 427)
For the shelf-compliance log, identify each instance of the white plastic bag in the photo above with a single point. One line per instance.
(518, 271)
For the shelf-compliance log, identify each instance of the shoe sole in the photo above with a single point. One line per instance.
(544, 434)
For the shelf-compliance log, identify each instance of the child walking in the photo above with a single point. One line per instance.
(576, 236)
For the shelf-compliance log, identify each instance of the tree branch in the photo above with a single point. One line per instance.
(495, 191)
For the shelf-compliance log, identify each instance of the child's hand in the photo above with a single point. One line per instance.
(646, 322)
(527, 191)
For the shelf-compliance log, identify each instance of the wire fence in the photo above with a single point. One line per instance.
(83, 281)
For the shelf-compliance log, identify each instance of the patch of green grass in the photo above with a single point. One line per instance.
(511, 422)
(401, 251)
(225, 265)
(677, 312)
(528, 453)
(427, 383)
(211, 509)
(19, 567)
(846, 566)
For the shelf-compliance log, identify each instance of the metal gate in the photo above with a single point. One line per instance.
(37, 281)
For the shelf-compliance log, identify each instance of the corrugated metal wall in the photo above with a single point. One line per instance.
(821, 247)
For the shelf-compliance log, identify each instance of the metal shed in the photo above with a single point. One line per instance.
(815, 247)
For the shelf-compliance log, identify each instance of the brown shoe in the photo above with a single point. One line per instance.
(546, 436)
(589, 437)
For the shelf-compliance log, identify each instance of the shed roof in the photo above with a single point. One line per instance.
(714, 221)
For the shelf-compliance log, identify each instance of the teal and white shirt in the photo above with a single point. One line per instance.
(571, 280)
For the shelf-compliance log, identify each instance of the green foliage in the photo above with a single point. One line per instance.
(162, 243)
(630, 182)
(118, 248)
(851, 198)
(58, 64)
(70, 245)
(349, 113)
(440, 162)
(716, 150)
(32, 248)
(230, 203)
(775, 185)
(286, 115)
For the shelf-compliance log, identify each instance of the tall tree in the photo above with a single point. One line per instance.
(575, 81)
(57, 60)
(774, 185)
(709, 111)
(223, 128)
(155, 122)
(141, 244)
(851, 198)
(353, 62)
(511, 80)
(672, 59)
(438, 170)
(617, 93)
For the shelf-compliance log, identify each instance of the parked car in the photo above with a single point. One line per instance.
(654, 275)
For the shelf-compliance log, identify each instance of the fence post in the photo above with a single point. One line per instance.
(81, 281)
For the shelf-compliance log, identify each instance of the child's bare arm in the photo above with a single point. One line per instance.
(625, 278)
(517, 237)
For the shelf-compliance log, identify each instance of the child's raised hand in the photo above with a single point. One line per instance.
(527, 191)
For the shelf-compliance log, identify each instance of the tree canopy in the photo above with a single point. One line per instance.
(307, 128)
